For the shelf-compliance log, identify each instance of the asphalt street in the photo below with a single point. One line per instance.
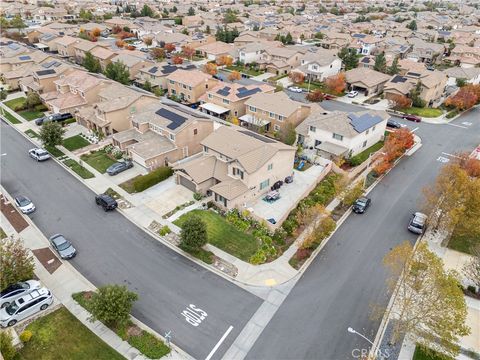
(342, 284)
(111, 249)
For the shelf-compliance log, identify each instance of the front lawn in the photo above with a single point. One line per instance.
(99, 160)
(12, 119)
(224, 235)
(463, 244)
(75, 142)
(14, 103)
(79, 169)
(60, 335)
(423, 112)
(31, 114)
(313, 86)
(245, 70)
(360, 158)
(422, 354)
(54, 151)
(142, 182)
(31, 133)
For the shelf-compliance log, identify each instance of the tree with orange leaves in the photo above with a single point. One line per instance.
(396, 144)
(336, 84)
(120, 43)
(400, 101)
(210, 68)
(234, 75)
(464, 99)
(95, 32)
(148, 40)
(188, 52)
(116, 29)
(297, 77)
(169, 47)
(224, 60)
(177, 60)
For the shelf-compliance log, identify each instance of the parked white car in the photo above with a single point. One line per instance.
(15, 291)
(295, 89)
(25, 306)
(25, 205)
(39, 154)
(352, 94)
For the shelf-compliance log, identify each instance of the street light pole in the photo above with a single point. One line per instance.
(353, 331)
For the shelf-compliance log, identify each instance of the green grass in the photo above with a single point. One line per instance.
(360, 158)
(75, 142)
(463, 244)
(424, 112)
(31, 115)
(31, 133)
(142, 182)
(224, 235)
(12, 104)
(99, 160)
(12, 119)
(245, 70)
(2, 234)
(61, 336)
(54, 151)
(422, 354)
(313, 86)
(79, 169)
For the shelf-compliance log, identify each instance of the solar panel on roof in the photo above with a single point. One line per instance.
(248, 92)
(224, 91)
(176, 120)
(13, 46)
(153, 70)
(364, 121)
(413, 74)
(257, 136)
(242, 89)
(45, 72)
(25, 57)
(399, 79)
(51, 63)
(190, 67)
(168, 69)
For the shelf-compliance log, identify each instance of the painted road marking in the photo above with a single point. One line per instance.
(414, 130)
(451, 155)
(219, 343)
(460, 126)
(466, 123)
(193, 315)
(443, 159)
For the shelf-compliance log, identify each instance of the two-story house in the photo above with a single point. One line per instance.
(339, 135)
(189, 85)
(112, 110)
(133, 63)
(237, 166)
(214, 50)
(423, 51)
(281, 60)
(226, 100)
(43, 77)
(273, 112)
(65, 46)
(162, 134)
(366, 43)
(156, 74)
(465, 56)
(320, 64)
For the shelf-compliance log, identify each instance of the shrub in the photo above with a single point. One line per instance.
(111, 304)
(149, 345)
(164, 230)
(472, 289)
(452, 114)
(355, 160)
(194, 234)
(290, 225)
(154, 177)
(302, 254)
(279, 236)
(197, 196)
(26, 336)
(258, 258)
(6, 346)
(19, 107)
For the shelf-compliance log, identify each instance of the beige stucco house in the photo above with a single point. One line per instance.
(369, 81)
(189, 85)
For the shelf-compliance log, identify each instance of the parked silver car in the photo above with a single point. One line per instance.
(24, 204)
(39, 154)
(62, 246)
(417, 223)
(15, 291)
(25, 306)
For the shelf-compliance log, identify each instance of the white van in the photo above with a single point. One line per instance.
(25, 306)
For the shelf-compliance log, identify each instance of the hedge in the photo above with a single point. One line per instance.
(144, 182)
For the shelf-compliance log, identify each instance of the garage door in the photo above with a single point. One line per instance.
(187, 183)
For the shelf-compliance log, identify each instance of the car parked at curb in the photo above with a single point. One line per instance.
(53, 117)
(361, 205)
(352, 94)
(62, 246)
(295, 89)
(393, 124)
(25, 306)
(417, 223)
(119, 166)
(25, 205)
(106, 202)
(39, 154)
(15, 291)
(410, 117)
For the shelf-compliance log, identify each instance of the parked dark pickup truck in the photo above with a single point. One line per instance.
(53, 117)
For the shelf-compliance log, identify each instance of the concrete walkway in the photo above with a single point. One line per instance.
(66, 280)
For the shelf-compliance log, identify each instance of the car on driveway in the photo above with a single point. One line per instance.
(25, 306)
(119, 166)
(295, 89)
(352, 94)
(53, 117)
(106, 202)
(13, 292)
(39, 154)
(328, 97)
(24, 204)
(361, 205)
(412, 117)
(62, 246)
(393, 124)
(417, 223)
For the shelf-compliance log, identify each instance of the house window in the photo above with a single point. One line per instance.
(276, 127)
(189, 88)
(184, 86)
(313, 129)
(210, 96)
(281, 118)
(172, 82)
(337, 137)
(270, 167)
(364, 143)
(264, 184)
(315, 67)
(205, 149)
(195, 131)
(252, 109)
(173, 92)
(238, 172)
(373, 129)
(368, 130)
(188, 96)
(226, 101)
(172, 137)
(220, 199)
(271, 115)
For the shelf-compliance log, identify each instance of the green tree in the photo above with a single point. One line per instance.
(191, 11)
(207, 29)
(256, 27)
(429, 303)
(472, 268)
(288, 39)
(51, 134)
(194, 234)
(461, 82)
(3, 94)
(17, 22)
(118, 71)
(352, 194)
(349, 58)
(91, 63)
(380, 63)
(230, 17)
(33, 99)
(86, 15)
(412, 25)
(147, 86)
(111, 304)
(185, 31)
(415, 95)
(147, 11)
(394, 68)
(15, 262)
(287, 134)
(8, 351)
(174, 9)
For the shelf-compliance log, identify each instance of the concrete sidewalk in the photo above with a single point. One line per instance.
(66, 280)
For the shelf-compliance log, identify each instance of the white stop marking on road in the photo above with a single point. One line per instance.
(193, 315)
(443, 159)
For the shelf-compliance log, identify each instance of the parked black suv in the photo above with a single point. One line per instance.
(53, 117)
(106, 202)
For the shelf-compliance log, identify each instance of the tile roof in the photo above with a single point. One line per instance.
(278, 103)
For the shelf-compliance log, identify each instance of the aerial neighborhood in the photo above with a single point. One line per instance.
(222, 179)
